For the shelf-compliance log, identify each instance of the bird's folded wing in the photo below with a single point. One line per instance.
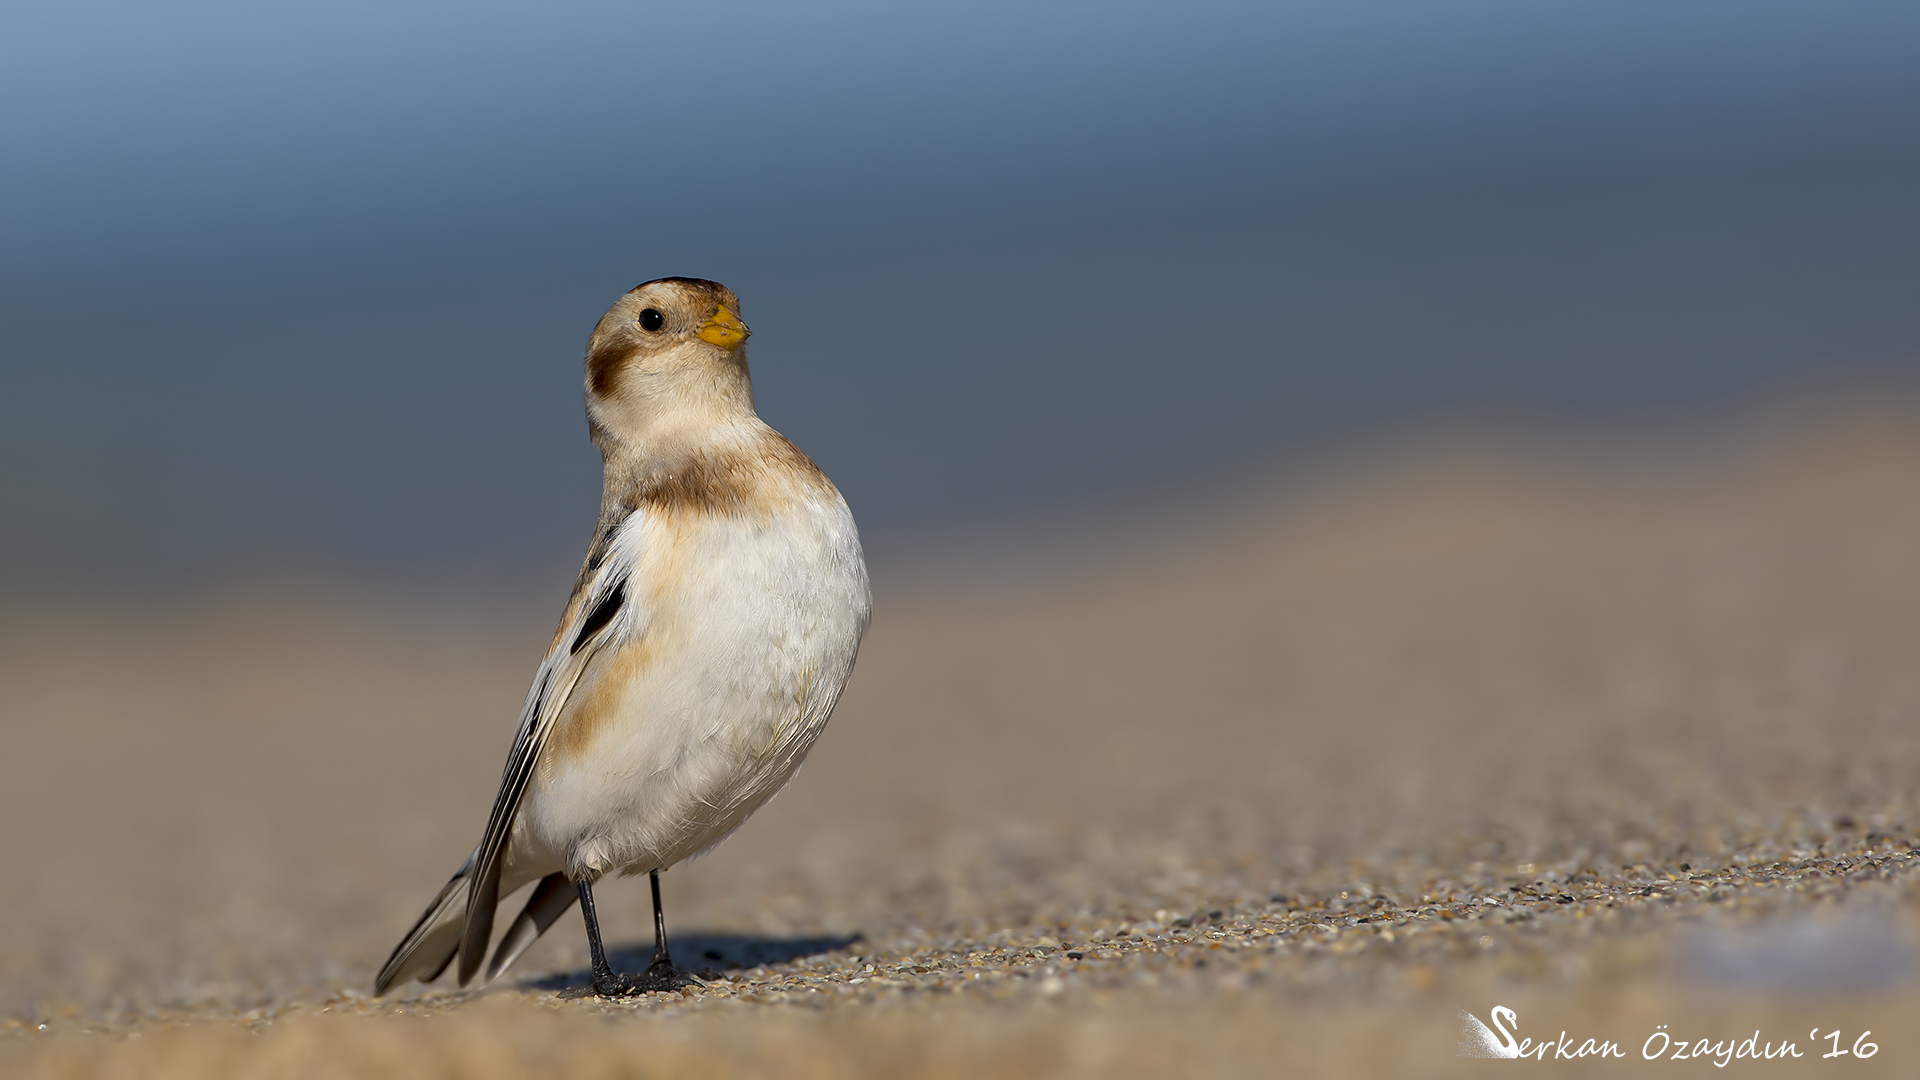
(601, 618)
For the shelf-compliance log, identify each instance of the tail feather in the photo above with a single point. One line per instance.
(550, 900)
(432, 943)
(483, 896)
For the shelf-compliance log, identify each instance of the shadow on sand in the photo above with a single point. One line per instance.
(705, 955)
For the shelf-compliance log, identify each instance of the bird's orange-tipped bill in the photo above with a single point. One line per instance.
(724, 329)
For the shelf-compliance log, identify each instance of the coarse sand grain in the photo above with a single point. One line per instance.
(1269, 780)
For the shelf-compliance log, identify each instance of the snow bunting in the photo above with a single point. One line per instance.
(711, 629)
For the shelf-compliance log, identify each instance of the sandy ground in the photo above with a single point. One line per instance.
(1242, 783)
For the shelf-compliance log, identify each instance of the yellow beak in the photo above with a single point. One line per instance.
(724, 329)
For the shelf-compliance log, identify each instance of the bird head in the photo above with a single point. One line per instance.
(669, 357)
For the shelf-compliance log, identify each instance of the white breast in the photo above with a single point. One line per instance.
(742, 633)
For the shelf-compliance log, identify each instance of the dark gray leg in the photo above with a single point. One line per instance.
(661, 960)
(660, 974)
(605, 982)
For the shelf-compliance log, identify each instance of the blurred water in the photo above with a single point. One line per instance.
(311, 285)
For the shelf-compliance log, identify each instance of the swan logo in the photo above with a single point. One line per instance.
(1502, 1040)
(1477, 1040)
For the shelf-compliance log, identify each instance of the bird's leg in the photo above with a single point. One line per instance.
(661, 974)
(605, 982)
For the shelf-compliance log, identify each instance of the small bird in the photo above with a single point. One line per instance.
(712, 627)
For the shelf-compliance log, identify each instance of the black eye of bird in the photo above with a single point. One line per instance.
(651, 320)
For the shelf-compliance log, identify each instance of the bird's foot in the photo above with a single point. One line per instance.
(660, 977)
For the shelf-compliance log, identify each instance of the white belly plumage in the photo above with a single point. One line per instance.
(740, 635)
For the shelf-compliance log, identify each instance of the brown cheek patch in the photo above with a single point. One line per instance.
(604, 362)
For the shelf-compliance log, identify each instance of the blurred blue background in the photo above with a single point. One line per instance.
(308, 286)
